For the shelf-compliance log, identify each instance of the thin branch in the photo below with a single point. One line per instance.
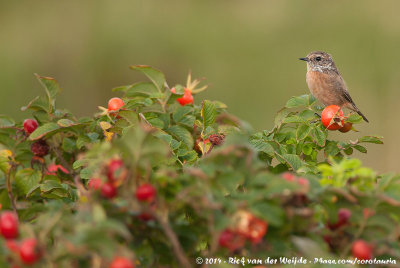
(9, 190)
(176, 246)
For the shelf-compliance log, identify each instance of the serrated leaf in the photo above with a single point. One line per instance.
(156, 76)
(354, 118)
(182, 134)
(293, 160)
(293, 119)
(302, 132)
(208, 113)
(129, 116)
(38, 104)
(52, 89)
(180, 112)
(43, 130)
(300, 101)
(26, 179)
(319, 135)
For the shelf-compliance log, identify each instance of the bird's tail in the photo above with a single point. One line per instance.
(363, 116)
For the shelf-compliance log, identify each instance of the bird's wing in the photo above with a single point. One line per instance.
(343, 93)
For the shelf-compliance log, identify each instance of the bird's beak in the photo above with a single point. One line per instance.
(305, 59)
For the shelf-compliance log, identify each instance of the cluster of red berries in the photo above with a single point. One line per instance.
(116, 174)
(332, 118)
(245, 226)
(290, 177)
(28, 249)
(360, 249)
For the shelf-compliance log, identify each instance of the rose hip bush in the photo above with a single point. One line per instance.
(155, 181)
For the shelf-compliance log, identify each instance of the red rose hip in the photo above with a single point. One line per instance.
(361, 250)
(121, 262)
(94, 183)
(115, 104)
(9, 225)
(146, 192)
(332, 117)
(40, 148)
(30, 125)
(108, 190)
(113, 169)
(29, 251)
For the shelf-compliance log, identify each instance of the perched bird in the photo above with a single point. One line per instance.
(326, 83)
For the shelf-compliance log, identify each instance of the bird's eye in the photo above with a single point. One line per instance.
(318, 58)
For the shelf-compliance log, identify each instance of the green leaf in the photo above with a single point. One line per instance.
(66, 123)
(52, 89)
(6, 121)
(354, 118)
(300, 101)
(181, 112)
(293, 160)
(129, 116)
(208, 113)
(182, 134)
(302, 132)
(293, 119)
(38, 104)
(41, 131)
(319, 135)
(25, 179)
(273, 214)
(154, 75)
(371, 139)
(360, 148)
(141, 88)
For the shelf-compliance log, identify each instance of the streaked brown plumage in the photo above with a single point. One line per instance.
(326, 83)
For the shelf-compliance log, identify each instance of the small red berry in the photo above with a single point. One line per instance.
(344, 215)
(231, 240)
(288, 176)
(29, 251)
(113, 169)
(108, 190)
(40, 148)
(94, 183)
(303, 181)
(115, 104)
(145, 192)
(53, 168)
(361, 250)
(121, 262)
(30, 125)
(9, 225)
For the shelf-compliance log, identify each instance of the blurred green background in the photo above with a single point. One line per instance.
(247, 50)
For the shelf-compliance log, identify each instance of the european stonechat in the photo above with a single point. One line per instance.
(326, 83)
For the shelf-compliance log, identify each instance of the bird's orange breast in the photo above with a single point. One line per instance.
(321, 86)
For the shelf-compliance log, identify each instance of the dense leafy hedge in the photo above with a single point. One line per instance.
(221, 190)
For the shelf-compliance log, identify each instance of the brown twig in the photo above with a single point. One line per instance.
(176, 246)
(9, 190)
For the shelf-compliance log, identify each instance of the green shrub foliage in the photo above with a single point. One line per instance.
(272, 194)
